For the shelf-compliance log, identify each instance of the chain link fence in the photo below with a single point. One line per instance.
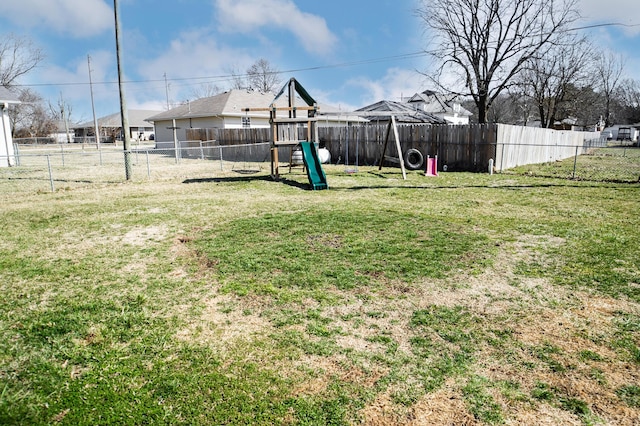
(612, 162)
(65, 166)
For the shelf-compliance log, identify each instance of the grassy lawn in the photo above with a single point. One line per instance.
(233, 299)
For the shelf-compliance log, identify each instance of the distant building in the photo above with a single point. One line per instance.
(444, 106)
(403, 112)
(6, 141)
(228, 110)
(110, 127)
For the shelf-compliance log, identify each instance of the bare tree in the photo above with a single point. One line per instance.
(485, 43)
(609, 68)
(554, 78)
(18, 56)
(30, 118)
(238, 80)
(205, 90)
(511, 108)
(262, 76)
(61, 115)
(627, 95)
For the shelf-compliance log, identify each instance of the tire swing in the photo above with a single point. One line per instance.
(413, 159)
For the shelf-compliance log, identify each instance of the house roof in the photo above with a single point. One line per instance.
(403, 112)
(136, 119)
(227, 103)
(231, 103)
(438, 103)
(8, 96)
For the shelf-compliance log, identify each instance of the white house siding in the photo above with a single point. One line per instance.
(164, 131)
(455, 119)
(6, 143)
(257, 122)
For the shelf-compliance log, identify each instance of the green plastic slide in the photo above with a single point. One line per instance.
(315, 173)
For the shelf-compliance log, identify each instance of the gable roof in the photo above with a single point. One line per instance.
(404, 113)
(231, 103)
(438, 103)
(136, 119)
(8, 96)
(227, 103)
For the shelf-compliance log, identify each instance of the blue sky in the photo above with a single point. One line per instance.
(347, 53)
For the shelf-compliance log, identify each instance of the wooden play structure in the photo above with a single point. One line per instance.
(285, 132)
(392, 125)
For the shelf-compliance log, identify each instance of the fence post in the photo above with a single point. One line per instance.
(201, 151)
(53, 188)
(16, 153)
(148, 165)
(575, 163)
(221, 168)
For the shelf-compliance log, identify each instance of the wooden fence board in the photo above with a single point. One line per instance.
(459, 148)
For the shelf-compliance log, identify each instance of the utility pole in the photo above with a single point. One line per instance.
(64, 117)
(166, 89)
(96, 130)
(124, 115)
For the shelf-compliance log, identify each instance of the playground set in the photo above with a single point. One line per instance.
(285, 132)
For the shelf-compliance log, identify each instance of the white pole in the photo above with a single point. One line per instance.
(96, 130)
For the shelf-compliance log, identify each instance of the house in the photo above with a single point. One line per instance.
(403, 112)
(446, 107)
(6, 142)
(622, 132)
(110, 127)
(228, 110)
(60, 133)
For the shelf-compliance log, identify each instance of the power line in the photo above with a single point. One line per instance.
(231, 77)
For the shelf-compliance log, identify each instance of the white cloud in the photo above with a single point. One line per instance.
(195, 54)
(618, 11)
(78, 18)
(79, 93)
(396, 83)
(251, 15)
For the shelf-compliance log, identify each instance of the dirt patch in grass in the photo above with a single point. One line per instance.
(226, 319)
(443, 407)
(570, 349)
(141, 236)
(555, 336)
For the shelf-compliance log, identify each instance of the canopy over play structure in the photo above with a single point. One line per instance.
(285, 132)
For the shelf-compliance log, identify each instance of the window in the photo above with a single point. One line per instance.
(246, 122)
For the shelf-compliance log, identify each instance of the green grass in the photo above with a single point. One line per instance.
(239, 300)
(611, 164)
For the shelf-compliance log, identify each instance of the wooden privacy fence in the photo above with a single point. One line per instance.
(230, 136)
(459, 148)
